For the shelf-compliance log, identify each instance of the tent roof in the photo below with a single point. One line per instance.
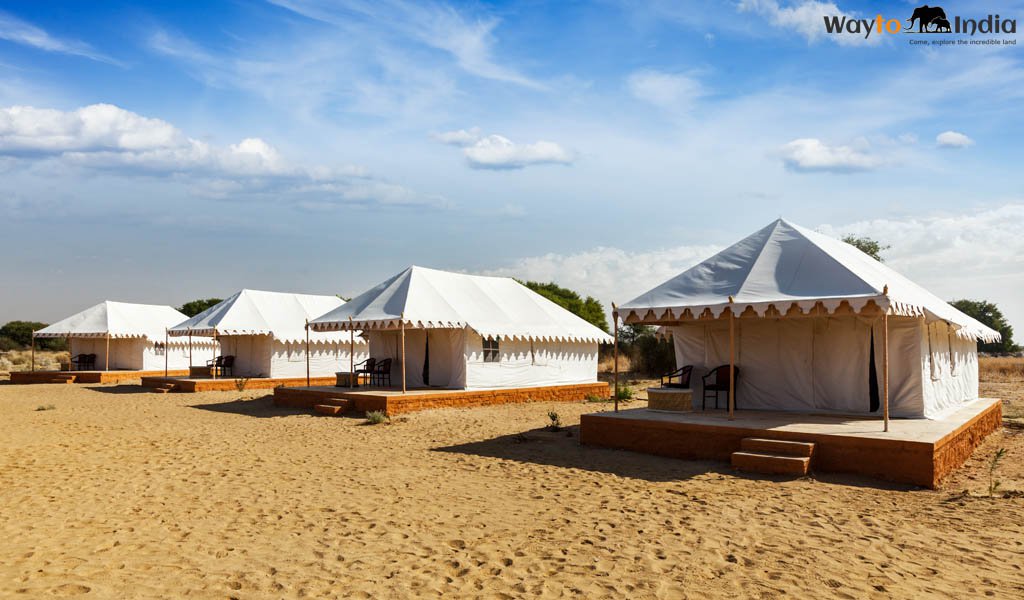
(117, 319)
(253, 312)
(491, 306)
(784, 264)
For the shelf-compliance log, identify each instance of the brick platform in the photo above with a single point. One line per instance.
(394, 402)
(25, 377)
(228, 384)
(916, 451)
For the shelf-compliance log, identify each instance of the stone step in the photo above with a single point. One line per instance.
(771, 464)
(342, 402)
(329, 409)
(782, 447)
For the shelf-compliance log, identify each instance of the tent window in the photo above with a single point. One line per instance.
(159, 349)
(491, 353)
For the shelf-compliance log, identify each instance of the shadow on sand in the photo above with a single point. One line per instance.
(120, 388)
(543, 447)
(262, 407)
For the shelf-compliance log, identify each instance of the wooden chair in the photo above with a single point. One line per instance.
(680, 378)
(364, 368)
(718, 381)
(227, 366)
(381, 373)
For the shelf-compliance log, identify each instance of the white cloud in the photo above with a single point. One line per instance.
(470, 41)
(670, 91)
(978, 254)
(103, 136)
(18, 31)
(460, 137)
(811, 154)
(499, 152)
(805, 17)
(953, 139)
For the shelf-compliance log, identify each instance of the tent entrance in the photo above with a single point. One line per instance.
(874, 402)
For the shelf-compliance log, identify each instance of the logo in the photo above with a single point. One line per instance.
(924, 20)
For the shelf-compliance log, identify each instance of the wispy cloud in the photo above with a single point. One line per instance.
(470, 41)
(670, 91)
(22, 32)
(806, 18)
(109, 138)
(498, 152)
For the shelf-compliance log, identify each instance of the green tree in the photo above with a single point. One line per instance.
(195, 307)
(872, 248)
(588, 309)
(989, 314)
(19, 334)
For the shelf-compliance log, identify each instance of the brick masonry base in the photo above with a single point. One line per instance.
(229, 384)
(396, 403)
(920, 463)
(22, 377)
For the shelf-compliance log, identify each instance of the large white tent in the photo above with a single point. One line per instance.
(266, 333)
(128, 336)
(810, 317)
(469, 332)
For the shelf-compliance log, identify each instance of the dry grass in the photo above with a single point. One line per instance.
(1001, 369)
(21, 360)
(607, 364)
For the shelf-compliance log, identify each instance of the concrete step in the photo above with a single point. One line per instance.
(342, 402)
(329, 409)
(782, 447)
(771, 464)
(164, 388)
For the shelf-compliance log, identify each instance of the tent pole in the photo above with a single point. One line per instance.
(351, 354)
(216, 348)
(166, 350)
(403, 352)
(68, 344)
(190, 363)
(615, 353)
(885, 369)
(307, 352)
(33, 351)
(732, 361)
(106, 357)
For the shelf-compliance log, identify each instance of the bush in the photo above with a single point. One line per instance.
(556, 421)
(240, 383)
(376, 417)
(625, 393)
(7, 344)
(595, 398)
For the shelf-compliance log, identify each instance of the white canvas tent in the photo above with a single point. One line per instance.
(266, 333)
(126, 336)
(469, 332)
(817, 325)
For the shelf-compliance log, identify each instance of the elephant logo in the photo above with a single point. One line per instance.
(930, 19)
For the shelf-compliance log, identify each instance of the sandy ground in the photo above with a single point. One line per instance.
(116, 492)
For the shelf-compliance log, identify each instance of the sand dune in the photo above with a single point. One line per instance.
(121, 493)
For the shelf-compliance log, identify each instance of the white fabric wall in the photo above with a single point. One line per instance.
(252, 353)
(140, 354)
(949, 369)
(177, 355)
(288, 359)
(447, 356)
(527, 364)
(822, 364)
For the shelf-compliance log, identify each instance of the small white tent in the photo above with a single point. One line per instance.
(470, 332)
(266, 333)
(134, 334)
(812, 315)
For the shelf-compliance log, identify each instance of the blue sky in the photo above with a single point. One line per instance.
(171, 150)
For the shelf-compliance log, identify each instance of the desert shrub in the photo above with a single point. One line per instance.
(7, 344)
(376, 417)
(556, 421)
(43, 407)
(993, 483)
(240, 383)
(595, 398)
(625, 393)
